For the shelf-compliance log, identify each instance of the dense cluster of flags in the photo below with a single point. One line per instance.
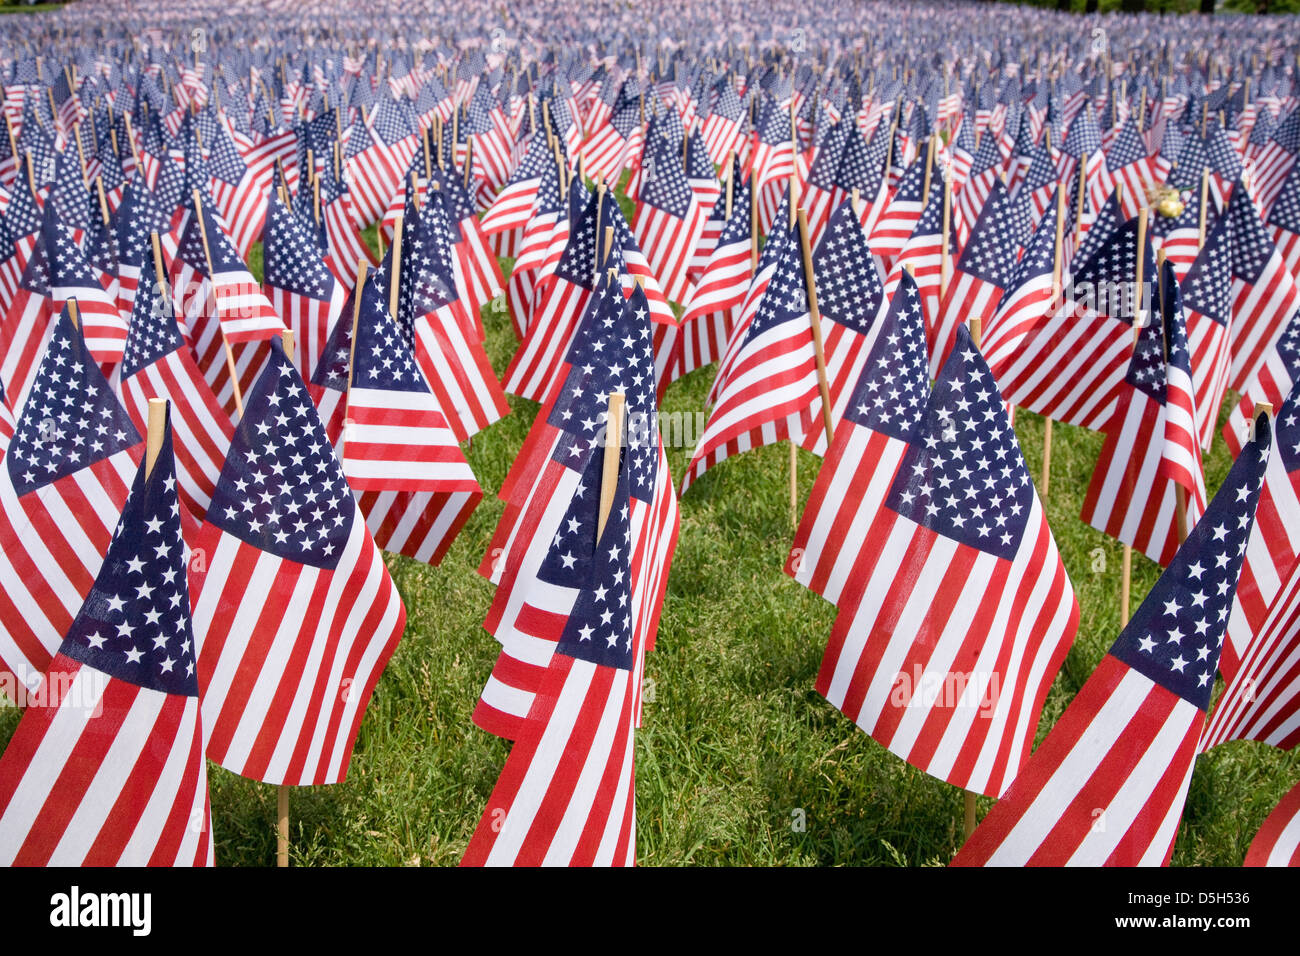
(887, 233)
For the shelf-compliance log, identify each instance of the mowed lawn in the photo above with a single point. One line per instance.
(739, 760)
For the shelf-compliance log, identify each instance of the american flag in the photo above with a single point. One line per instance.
(221, 305)
(564, 294)
(771, 373)
(1070, 366)
(488, 130)
(478, 274)
(298, 283)
(1180, 237)
(1264, 296)
(1278, 841)
(886, 404)
(1151, 447)
(669, 218)
(1284, 223)
(513, 206)
(567, 794)
(1262, 699)
(296, 612)
(958, 610)
(711, 307)
(608, 149)
(346, 247)
(1030, 290)
(722, 129)
(238, 187)
(64, 479)
(1128, 163)
(923, 256)
(448, 341)
(1107, 786)
(1208, 300)
(850, 300)
(379, 155)
(1275, 161)
(110, 772)
(895, 225)
(984, 269)
(56, 272)
(612, 353)
(416, 489)
(1276, 539)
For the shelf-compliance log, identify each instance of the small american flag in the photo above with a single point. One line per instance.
(956, 568)
(298, 283)
(72, 796)
(158, 364)
(296, 612)
(567, 794)
(416, 489)
(1208, 300)
(1151, 447)
(1107, 786)
(669, 218)
(63, 481)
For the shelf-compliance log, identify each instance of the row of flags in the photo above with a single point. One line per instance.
(884, 254)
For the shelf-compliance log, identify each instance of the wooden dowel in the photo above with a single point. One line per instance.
(282, 826)
(157, 426)
(613, 446)
(393, 286)
(794, 484)
(815, 318)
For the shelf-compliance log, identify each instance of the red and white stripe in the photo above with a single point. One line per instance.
(1082, 801)
(52, 545)
(290, 654)
(107, 773)
(1278, 841)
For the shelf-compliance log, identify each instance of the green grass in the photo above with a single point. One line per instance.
(736, 750)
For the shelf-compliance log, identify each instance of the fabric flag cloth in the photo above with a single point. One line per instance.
(299, 284)
(875, 428)
(712, 305)
(221, 305)
(416, 489)
(567, 794)
(56, 272)
(1151, 449)
(1274, 542)
(771, 377)
(295, 612)
(850, 300)
(958, 612)
(1070, 365)
(1278, 841)
(1107, 786)
(669, 217)
(63, 481)
(447, 340)
(158, 364)
(1028, 298)
(1207, 297)
(984, 269)
(610, 354)
(109, 771)
(1264, 296)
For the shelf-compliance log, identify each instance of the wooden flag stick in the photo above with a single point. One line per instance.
(469, 155)
(393, 286)
(225, 342)
(609, 471)
(600, 207)
(1083, 191)
(815, 317)
(945, 262)
(153, 440)
(103, 200)
(1205, 196)
(282, 826)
